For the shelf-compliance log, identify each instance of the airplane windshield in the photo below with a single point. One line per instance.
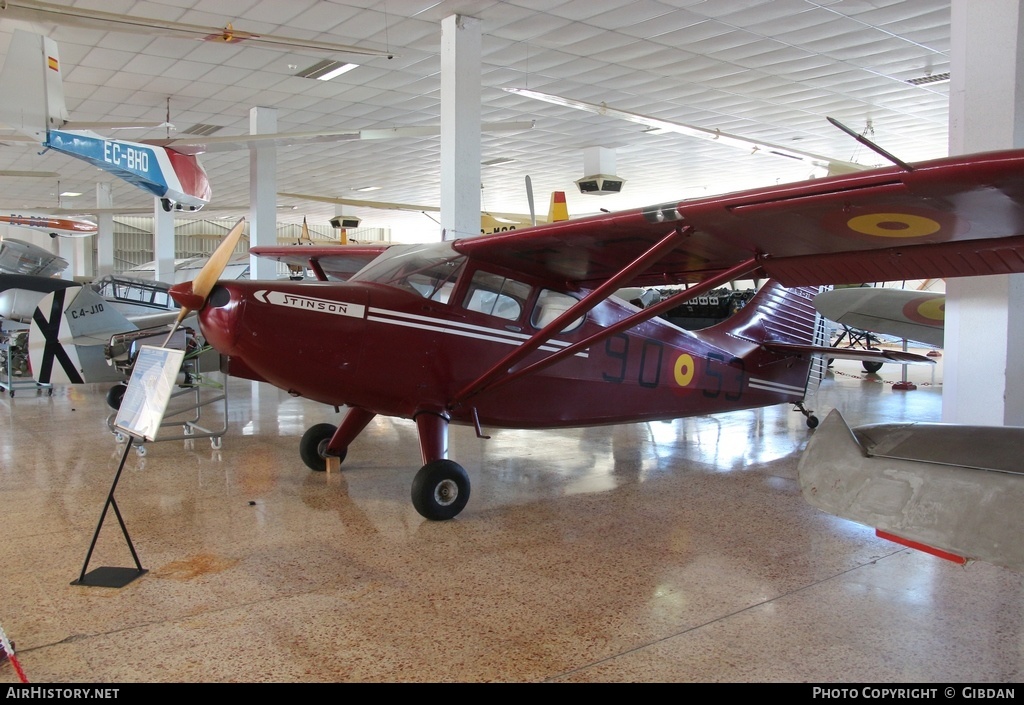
(137, 291)
(429, 270)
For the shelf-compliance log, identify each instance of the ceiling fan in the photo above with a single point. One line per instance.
(34, 11)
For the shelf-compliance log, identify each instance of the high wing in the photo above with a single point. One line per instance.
(200, 145)
(958, 216)
(329, 262)
(67, 226)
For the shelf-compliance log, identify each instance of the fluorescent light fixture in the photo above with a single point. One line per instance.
(364, 189)
(929, 78)
(326, 70)
(344, 68)
(70, 194)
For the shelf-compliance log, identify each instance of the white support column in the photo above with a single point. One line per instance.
(64, 247)
(262, 192)
(983, 379)
(460, 126)
(105, 236)
(164, 251)
(83, 258)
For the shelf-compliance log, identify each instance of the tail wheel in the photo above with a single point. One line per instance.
(313, 446)
(440, 490)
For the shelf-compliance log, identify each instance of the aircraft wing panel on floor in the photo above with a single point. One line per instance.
(957, 489)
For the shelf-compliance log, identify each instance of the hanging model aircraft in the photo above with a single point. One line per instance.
(34, 106)
(816, 162)
(522, 329)
(169, 169)
(40, 12)
(55, 226)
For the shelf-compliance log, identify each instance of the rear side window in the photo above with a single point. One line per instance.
(550, 305)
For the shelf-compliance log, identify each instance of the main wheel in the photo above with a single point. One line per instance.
(314, 444)
(440, 490)
(871, 367)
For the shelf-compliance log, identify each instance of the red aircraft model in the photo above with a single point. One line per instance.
(523, 329)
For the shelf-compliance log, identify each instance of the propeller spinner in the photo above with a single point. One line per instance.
(192, 295)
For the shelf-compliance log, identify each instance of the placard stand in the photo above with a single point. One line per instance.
(108, 576)
(140, 416)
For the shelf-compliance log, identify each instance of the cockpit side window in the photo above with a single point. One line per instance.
(496, 295)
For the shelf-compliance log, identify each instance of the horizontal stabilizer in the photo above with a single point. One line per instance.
(898, 479)
(70, 329)
(873, 355)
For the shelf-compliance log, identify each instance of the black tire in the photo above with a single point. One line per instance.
(116, 395)
(440, 490)
(812, 421)
(871, 367)
(314, 442)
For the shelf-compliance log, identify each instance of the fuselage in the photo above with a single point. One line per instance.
(417, 326)
(165, 173)
(69, 227)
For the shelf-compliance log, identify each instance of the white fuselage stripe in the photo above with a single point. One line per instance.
(466, 326)
(459, 329)
(774, 386)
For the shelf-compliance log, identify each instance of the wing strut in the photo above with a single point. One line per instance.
(740, 271)
(634, 268)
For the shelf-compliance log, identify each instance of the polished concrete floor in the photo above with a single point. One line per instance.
(674, 552)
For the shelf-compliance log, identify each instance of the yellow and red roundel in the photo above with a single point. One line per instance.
(896, 224)
(683, 370)
(929, 310)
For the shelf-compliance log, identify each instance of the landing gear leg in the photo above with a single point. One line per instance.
(323, 440)
(812, 420)
(440, 489)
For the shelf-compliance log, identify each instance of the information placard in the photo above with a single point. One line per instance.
(149, 391)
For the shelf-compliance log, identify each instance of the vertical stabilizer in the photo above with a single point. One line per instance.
(31, 86)
(558, 209)
(68, 334)
(782, 316)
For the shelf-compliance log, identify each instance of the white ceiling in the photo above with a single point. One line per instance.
(767, 70)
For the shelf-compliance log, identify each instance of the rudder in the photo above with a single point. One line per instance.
(786, 317)
(32, 86)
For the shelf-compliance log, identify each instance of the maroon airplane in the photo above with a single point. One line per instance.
(523, 329)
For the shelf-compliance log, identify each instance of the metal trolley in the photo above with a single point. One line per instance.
(14, 363)
(194, 393)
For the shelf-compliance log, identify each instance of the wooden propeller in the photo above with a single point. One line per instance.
(204, 282)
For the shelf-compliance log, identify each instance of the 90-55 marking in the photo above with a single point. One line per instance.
(719, 378)
(617, 348)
